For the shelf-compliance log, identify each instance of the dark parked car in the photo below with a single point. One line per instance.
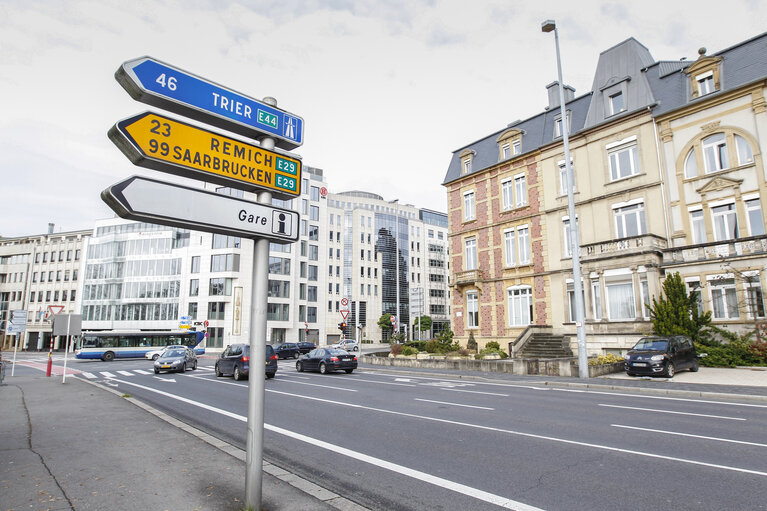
(306, 347)
(326, 360)
(287, 350)
(178, 359)
(658, 355)
(235, 360)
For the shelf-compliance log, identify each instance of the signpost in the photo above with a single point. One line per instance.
(160, 143)
(159, 84)
(149, 200)
(66, 325)
(17, 325)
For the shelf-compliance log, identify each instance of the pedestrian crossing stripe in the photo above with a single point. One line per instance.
(107, 374)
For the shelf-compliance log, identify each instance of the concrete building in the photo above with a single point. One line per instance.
(666, 157)
(40, 274)
(143, 276)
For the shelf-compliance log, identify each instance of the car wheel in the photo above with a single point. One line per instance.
(218, 372)
(183, 368)
(348, 371)
(156, 371)
(237, 375)
(323, 368)
(670, 370)
(695, 366)
(356, 348)
(194, 366)
(108, 356)
(155, 356)
(270, 375)
(299, 367)
(296, 355)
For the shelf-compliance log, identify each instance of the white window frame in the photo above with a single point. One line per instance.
(510, 247)
(507, 192)
(469, 208)
(516, 147)
(523, 244)
(563, 178)
(615, 151)
(467, 166)
(566, 233)
(596, 294)
(754, 215)
(716, 148)
(472, 309)
(506, 151)
(722, 221)
(697, 225)
(614, 308)
(520, 190)
(644, 292)
(724, 296)
(471, 253)
(743, 150)
(558, 124)
(625, 210)
(752, 286)
(691, 164)
(612, 102)
(519, 301)
(570, 288)
(705, 82)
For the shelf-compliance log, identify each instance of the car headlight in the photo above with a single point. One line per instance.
(656, 357)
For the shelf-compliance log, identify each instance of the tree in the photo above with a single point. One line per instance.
(676, 312)
(385, 323)
(425, 325)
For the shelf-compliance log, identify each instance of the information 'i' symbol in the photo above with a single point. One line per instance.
(281, 223)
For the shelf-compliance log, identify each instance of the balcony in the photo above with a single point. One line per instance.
(715, 251)
(627, 246)
(467, 278)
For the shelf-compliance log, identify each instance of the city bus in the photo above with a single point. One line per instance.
(110, 345)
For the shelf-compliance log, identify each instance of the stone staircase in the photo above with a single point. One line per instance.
(543, 345)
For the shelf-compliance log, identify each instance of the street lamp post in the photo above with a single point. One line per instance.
(396, 260)
(583, 365)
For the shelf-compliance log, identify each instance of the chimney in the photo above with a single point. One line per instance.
(50, 228)
(553, 89)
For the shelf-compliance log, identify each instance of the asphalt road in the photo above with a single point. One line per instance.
(418, 442)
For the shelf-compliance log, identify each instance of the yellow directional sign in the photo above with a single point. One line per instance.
(161, 143)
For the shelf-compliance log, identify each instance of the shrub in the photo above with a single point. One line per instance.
(409, 350)
(419, 345)
(471, 344)
(609, 358)
(396, 349)
(739, 350)
(493, 345)
(491, 350)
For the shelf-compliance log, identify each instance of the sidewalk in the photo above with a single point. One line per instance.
(76, 446)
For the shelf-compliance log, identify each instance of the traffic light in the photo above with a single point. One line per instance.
(342, 325)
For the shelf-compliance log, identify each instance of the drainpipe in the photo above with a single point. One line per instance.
(660, 176)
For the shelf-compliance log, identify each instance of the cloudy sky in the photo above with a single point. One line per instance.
(387, 89)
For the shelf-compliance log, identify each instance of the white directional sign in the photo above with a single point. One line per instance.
(149, 200)
(18, 322)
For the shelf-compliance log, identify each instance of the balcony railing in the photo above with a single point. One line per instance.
(463, 278)
(636, 244)
(714, 251)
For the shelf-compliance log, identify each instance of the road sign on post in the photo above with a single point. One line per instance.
(160, 143)
(159, 84)
(149, 200)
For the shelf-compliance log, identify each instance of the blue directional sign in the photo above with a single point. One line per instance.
(153, 82)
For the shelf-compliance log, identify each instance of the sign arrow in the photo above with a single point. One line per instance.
(159, 84)
(160, 143)
(149, 200)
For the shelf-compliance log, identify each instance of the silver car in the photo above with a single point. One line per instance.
(176, 359)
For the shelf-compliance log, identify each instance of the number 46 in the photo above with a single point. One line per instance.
(171, 81)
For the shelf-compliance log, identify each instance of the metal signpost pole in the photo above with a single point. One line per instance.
(583, 364)
(258, 306)
(396, 260)
(66, 349)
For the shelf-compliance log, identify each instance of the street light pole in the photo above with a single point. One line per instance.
(583, 364)
(396, 260)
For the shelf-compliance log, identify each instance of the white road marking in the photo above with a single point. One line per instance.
(107, 374)
(400, 469)
(453, 404)
(290, 375)
(90, 376)
(125, 373)
(672, 412)
(528, 435)
(478, 392)
(729, 440)
(141, 371)
(288, 380)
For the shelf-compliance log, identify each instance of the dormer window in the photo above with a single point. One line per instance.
(705, 83)
(506, 150)
(617, 103)
(466, 156)
(467, 165)
(517, 147)
(509, 143)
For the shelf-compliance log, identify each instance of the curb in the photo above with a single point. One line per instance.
(592, 386)
(311, 489)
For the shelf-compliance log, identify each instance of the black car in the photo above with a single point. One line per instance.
(326, 360)
(235, 360)
(661, 355)
(306, 347)
(177, 358)
(287, 350)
